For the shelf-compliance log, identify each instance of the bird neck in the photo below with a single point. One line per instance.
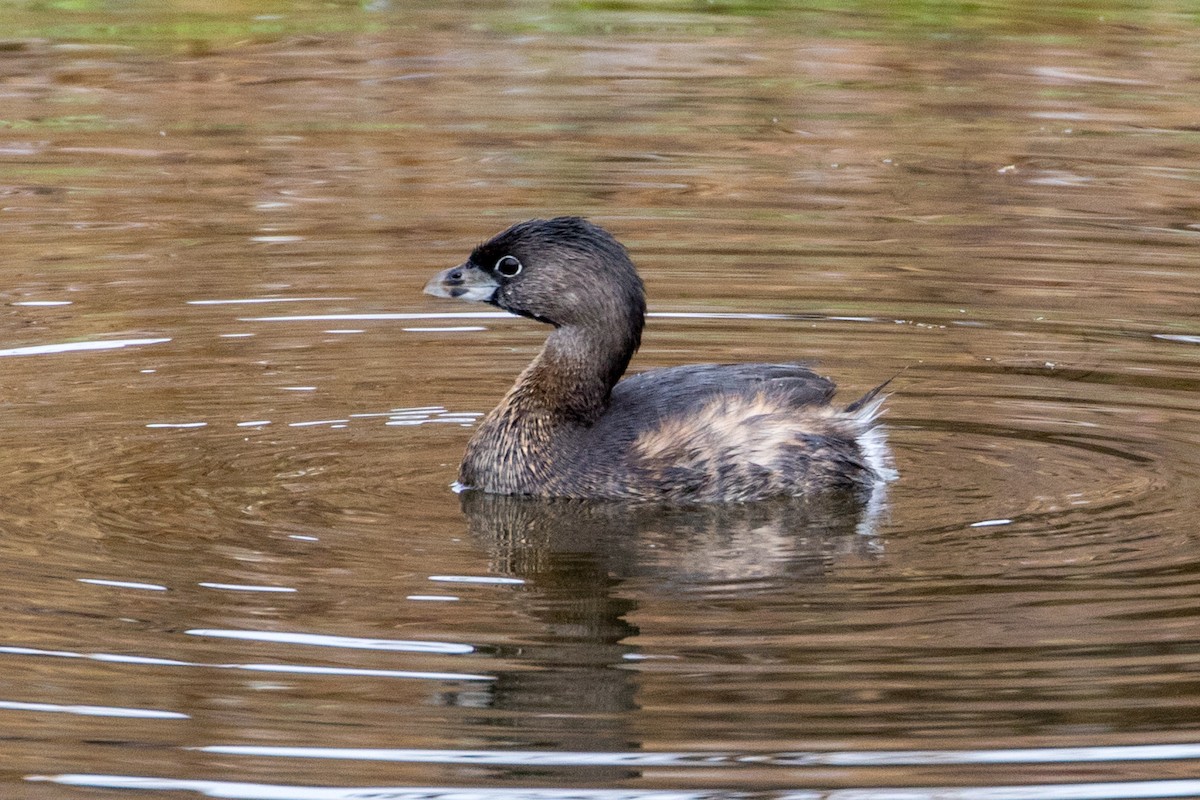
(571, 380)
(565, 390)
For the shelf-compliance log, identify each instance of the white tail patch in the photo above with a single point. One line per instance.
(872, 439)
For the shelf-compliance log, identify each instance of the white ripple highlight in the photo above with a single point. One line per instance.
(91, 711)
(350, 642)
(243, 587)
(258, 300)
(865, 758)
(544, 758)
(74, 347)
(150, 587)
(231, 790)
(387, 316)
(1033, 755)
(482, 579)
(289, 669)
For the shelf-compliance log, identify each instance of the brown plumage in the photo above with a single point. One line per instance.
(570, 427)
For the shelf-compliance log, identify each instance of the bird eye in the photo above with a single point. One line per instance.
(508, 266)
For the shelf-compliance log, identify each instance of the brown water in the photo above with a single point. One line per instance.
(234, 566)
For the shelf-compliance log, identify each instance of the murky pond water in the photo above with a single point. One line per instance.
(234, 566)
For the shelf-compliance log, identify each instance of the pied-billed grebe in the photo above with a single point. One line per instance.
(697, 433)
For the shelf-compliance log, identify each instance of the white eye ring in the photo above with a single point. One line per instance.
(508, 266)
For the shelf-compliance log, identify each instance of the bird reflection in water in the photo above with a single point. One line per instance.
(588, 566)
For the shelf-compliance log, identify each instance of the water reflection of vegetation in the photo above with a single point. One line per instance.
(861, 19)
(153, 25)
(75, 122)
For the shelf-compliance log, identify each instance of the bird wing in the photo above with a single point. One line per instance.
(641, 401)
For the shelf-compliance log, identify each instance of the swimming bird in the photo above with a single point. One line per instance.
(701, 433)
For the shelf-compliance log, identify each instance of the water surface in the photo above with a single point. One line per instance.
(230, 419)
